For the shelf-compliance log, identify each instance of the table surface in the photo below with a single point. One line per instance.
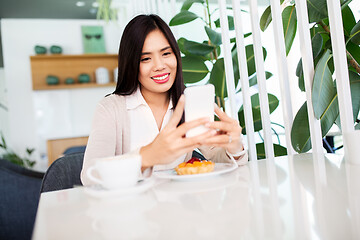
(289, 197)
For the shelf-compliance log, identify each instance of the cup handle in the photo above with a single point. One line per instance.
(92, 178)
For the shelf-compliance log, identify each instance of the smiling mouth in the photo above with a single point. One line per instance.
(161, 78)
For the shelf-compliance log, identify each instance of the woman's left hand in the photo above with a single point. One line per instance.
(228, 133)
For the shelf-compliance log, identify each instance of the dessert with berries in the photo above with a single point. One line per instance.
(195, 166)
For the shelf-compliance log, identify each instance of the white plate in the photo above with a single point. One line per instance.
(219, 168)
(100, 192)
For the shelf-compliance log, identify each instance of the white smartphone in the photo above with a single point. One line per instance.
(199, 103)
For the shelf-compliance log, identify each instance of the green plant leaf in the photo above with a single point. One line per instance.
(289, 26)
(250, 58)
(317, 10)
(316, 44)
(355, 34)
(188, 3)
(230, 21)
(214, 36)
(357, 126)
(300, 134)
(253, 79)
(182, 18)
(200, 49)
(278, 150)
(265, 19)
(3, 142)
(194, 69)
(217, 78)
(354, 50)
(323, 86)
(30, 150)
(355, 92)
(348, 20)
(255, 103)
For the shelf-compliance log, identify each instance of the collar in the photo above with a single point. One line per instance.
(136, 99)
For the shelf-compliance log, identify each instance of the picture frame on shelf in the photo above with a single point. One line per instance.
(93, 39)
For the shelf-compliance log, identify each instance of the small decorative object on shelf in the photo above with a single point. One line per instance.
(40, 49)
(54, 49)
(52, 80)
(102, 75)
(69, 80)
(93, 39)
(116, 74)
(84, 78)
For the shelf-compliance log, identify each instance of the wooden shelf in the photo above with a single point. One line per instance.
(64, 66)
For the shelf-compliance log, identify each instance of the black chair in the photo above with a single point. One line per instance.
(63, 173)
(74, 149)
(19, 197)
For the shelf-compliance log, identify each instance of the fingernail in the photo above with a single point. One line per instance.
(207, 125)
(213, 132)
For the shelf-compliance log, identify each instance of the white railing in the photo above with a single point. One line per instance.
(308, 69)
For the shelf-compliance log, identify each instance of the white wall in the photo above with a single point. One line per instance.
(4, 123)
(35, 116)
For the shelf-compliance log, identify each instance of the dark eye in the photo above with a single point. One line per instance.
(166, 53)
(87, 36)
(145, 59)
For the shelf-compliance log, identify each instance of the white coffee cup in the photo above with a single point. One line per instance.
(116, 172)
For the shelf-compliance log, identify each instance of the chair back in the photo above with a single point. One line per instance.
(19, 197)
(63, 173)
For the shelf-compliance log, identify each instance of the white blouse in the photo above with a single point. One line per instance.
(143, 125)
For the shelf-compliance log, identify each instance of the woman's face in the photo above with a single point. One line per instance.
(158, 64)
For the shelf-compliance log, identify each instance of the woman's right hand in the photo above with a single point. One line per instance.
(171, 142)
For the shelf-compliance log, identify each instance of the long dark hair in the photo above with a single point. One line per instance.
(131, 45)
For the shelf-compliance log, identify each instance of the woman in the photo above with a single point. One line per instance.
(144, 115)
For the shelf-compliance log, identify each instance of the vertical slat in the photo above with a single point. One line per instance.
(283, 72)
(173, 7)
(244, 79)
(153, 6)
(227, 59)
(159, 7)
(341, 67)
(308, 69)
(260, 72)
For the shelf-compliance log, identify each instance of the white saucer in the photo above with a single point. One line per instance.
(220, 168)
(100, 192)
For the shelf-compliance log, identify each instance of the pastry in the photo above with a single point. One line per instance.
(194, 166)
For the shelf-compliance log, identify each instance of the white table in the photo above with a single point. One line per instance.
(298, 197)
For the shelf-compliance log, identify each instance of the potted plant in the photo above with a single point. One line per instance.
(324, 86)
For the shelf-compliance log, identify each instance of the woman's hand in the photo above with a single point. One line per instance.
(171, 142)
(228, 133)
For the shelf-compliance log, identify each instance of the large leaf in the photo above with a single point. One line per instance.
(253, 79)
(289, 26)
(355, 92)
(317, 10)
(183, 17)
(194, 69)
(357, 126)
(300, 134)
(217, 78)
(354, 50)
(323, 86)
(214, 36)
(188, 3)
(278, 150)
(255, 103)
(250, 58)
(265, 19)
(348, 20)
(195, 48)
(230, 21)
(316, 44)
(355, 34)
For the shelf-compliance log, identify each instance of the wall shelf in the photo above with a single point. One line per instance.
(64, 66)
